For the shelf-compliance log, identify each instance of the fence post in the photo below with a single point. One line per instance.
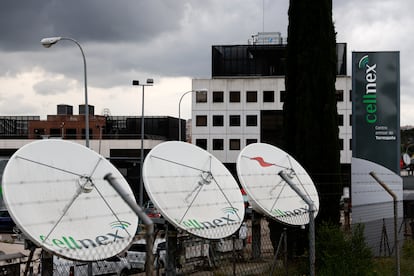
(172, 252)
(256, 235)
(394, 198)
(311, 205)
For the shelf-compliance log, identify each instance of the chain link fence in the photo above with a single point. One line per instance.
(249, 254)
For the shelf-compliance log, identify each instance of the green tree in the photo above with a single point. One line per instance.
(310, 112)
(340, 253)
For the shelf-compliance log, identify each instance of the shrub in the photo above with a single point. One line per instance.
(339, 253)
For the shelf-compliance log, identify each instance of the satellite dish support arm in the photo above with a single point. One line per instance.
(312, 210)
(141, 214)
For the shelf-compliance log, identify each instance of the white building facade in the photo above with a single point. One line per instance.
(234, 113)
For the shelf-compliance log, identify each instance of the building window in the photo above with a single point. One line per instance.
(234, 96)
(339, 95)
(250, 141)
(218, 144)
(218, 120)
(55, 132)
(202, 143)
(350, 95)
(218, 96)
(234, 144)
(234, 120)
(350, 119)
(251, 96)
(201, 120)
(201, 96)
(39, 132)
(84, 132)
(350, 144)
(340, 120)
(341, 144)
(251, 120)
(268, 96)
(70, 133)
(282, 96)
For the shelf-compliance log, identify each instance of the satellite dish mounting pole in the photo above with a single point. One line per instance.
(149, 225)
(311, 205)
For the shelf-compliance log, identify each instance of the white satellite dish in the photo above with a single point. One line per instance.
(193, 190)
(56, 195)
(406, 159)
(258, 167)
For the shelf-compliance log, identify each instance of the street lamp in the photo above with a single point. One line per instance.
(150, 82)
(47, 43)
(179, 109)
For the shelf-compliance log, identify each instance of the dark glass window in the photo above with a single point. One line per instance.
(268, 96)
(218, 120)
(350, 95)
(70, 133)
(250, 141)
(39, 132)
(234, 144)
(234, 96)
(350, 144)
(251, 120)
(340, 120)
(201, 96)
(83, 133)
(251, 96)
(282, 96)
(339, 95)
(234, 120)
(201, 120)
(218, 96)
(341, 144)
(55, 132)
(350, 119)
(202, 143)
(271, 127)
(218, 144)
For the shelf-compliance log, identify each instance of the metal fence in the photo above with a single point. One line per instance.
(191, 256)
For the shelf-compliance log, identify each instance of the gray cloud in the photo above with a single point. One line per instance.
(52, 87)
(130, 39)
(121, 38)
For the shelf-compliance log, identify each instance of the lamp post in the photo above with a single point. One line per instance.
(179, 109)
(150, 82)
(47, 43)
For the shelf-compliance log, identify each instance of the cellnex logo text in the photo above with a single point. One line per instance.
(217, 222)
(69, 242)
(290, 213)
(370, 97)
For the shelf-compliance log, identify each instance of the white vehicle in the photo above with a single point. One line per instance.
(112, 266)
(136, 254)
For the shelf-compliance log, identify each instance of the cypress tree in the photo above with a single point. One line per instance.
(310, 112)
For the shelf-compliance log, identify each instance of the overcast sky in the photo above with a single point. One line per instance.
(167, 40)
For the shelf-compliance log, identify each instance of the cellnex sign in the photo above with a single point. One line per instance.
(370, 96)
(230, 217)
(69, 242)
(291, 213)
(376, 107)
